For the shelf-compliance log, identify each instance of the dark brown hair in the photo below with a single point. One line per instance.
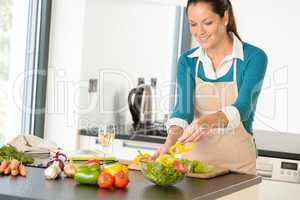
(219, 7)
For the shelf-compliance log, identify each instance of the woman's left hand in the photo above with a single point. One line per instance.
(193, 132)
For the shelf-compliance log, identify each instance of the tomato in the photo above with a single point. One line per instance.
(179, 166)
(121, 180)
(105, 180)
(98, 162)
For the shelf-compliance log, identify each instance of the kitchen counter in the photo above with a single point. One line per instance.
(35, 186)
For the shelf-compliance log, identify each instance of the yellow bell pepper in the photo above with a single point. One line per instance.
(115, 168)
(178, 148)
(141, 157)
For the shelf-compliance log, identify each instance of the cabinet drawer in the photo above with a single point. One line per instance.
(123, 149)
(128, 149)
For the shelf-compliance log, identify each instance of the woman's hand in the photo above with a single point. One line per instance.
(174, 133)
(193, 132)
(201, 126)
(163, 149)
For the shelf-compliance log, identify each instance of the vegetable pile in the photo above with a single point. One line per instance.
(114, 175)
(9, 152)
(91, 172)
(12, 167)
(110, 176)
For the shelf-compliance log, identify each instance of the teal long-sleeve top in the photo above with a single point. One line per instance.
(250, 75)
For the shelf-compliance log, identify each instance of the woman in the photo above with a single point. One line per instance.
(218, 87)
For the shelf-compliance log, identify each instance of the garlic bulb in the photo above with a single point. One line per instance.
(53, 171)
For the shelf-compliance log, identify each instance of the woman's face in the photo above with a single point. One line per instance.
(207, 27)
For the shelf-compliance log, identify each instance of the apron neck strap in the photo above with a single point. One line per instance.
(234, 68)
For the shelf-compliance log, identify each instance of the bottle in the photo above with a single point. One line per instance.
(154, 103)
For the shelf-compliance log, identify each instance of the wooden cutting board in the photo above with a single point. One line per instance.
(217, 171)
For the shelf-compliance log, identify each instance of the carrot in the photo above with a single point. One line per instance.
(7, 170)
(14, 164)
(22, 170)
(3, 166)
(14, 172)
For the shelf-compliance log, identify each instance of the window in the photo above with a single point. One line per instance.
(23, 54)
(5, 47)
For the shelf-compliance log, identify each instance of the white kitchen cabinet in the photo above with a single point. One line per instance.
(267, 189)
(123, 149)
(85, 142)
(250, 193)
(277, 190)
(128, 149)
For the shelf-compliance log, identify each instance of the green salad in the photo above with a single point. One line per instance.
(167, 169)
(162, 175)
(195, 166)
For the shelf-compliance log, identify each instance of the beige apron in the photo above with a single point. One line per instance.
(233, 149)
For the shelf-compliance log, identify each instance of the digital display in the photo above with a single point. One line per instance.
(291, 166)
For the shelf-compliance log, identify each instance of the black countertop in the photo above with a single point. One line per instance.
(35, 186)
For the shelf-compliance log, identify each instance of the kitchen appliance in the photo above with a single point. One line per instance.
(278, 156)
(279, 169)
(142, 103)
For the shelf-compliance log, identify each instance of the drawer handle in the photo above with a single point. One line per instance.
(140, 145)
(265, 174)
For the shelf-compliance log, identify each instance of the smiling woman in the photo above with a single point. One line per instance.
(218, 84)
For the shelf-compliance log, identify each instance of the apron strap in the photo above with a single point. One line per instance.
(234, 70)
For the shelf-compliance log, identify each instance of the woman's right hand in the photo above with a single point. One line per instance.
(174, 133)
(163, 149)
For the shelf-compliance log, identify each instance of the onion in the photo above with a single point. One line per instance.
(57, 157)
(70, 170)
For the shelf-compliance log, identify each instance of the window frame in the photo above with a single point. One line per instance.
(36, 67)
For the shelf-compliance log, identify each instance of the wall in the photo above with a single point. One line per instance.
(64, 71)
(81, 49)
(272, 25)
(171, 2)
(124, 40)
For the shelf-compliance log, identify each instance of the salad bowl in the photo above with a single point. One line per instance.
(162, 175)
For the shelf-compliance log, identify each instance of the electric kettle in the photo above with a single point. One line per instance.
(142, 103)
